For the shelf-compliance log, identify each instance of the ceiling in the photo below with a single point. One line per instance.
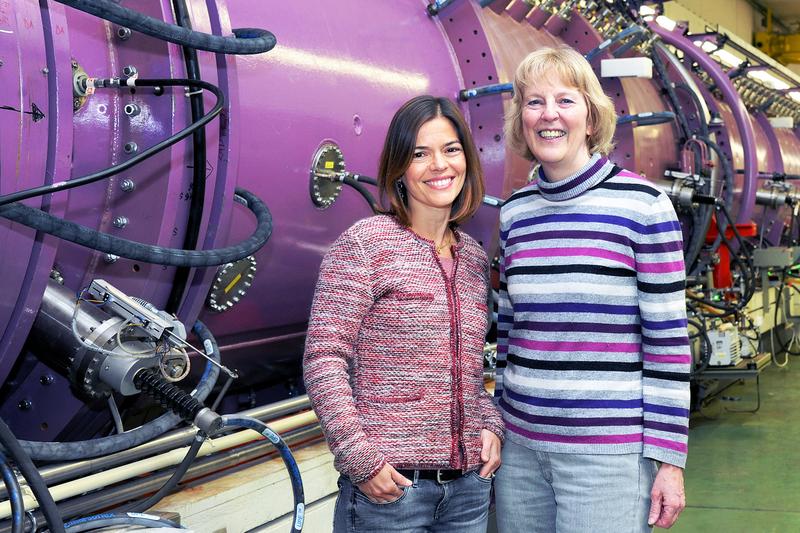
(785, 13)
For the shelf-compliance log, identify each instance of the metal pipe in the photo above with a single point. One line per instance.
(151, 464)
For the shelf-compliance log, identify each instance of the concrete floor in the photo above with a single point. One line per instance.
(743, 472)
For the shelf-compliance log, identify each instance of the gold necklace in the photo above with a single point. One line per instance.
(446, 242)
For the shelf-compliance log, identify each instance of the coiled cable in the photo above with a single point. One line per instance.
(245, 40)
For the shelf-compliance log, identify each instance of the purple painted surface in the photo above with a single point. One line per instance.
(325, 80)
(678, 40)
(517, 9)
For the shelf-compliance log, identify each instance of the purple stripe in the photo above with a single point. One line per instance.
(665, 341)
(665, 410)
(660, 247)
(572, 234)
(664, 324)
(573, 252)
(545, 346)
(661, 268)
(575, 439)
(574, 404)
(571, 422)
(591, 327)
(544, 185)
(663, 443)
(668, 428)
(576, 307)
(577, 217)
(676, 359)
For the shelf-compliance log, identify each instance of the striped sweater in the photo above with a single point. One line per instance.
(393, 362)
(593, 352)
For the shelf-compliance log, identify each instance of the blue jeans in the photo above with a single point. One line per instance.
(542, 492)
(461, 506)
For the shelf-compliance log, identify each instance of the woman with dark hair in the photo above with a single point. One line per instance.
(394, 352)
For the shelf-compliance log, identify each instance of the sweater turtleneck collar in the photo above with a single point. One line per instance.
(592, 173)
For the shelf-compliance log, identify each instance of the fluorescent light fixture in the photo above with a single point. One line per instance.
(666, 22)
(647, 11)
(768, 79)
(727, 58)
(707, 46)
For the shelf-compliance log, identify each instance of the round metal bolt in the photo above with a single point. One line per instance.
(25, 405)
(76, 103)
(47, 379)
(129, 71)
(132, 110)
(131, 148)
(158, 90)
(110, 258)
(127, 185)
(45, 71)
(123, 33)
(120, 222)
(1, 62)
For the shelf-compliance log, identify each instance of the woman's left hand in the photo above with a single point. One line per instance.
(490, 453)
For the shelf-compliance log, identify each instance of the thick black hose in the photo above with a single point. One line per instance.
(174, 479)
(347, 180)
(288, 460)
(706, 353)
(197, 202)
(125, 165)
(14, 496)
(71, 451)
(31, 474)
(148, 253)
(246, 40)
(119, 519)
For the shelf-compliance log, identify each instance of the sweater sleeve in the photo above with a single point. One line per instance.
(666, 354)
(342, 298)
(505, 314)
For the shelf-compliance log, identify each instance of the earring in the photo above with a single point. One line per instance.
(401, 190)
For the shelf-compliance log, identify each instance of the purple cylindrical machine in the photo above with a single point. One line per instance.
(330, 86)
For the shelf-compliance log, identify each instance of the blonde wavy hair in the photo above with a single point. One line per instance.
(571, 68)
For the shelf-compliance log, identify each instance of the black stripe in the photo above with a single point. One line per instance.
(640, 187)
(614, 171)
(668, 376)
(520, 195)
(595, 366)
(570, 269)
(661, 288)
(501, 363)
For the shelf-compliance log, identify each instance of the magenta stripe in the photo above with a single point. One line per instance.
(571, 252)
(664, 443)
(657, 358)
(660, 268)
(575, 439)
(554, 346)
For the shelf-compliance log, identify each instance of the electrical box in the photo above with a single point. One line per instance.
(726, 348)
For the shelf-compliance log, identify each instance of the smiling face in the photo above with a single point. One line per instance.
(438, 167)
(555, 126)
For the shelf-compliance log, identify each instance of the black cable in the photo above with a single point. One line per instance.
(286, 455)
(197, 202)
(104, 520)
(32, 476)
(14, 495)
(667, 84)
(702, 332)
(698, 106)
(246, 40)
(176, 477)
(347, 180)
(148, 253)
(116, 169)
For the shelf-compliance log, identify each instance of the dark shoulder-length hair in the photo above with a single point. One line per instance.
(398, 150)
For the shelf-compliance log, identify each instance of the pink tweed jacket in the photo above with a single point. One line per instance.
(394, 353)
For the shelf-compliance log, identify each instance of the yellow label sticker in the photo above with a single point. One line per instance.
(233, 282)
(328, 164)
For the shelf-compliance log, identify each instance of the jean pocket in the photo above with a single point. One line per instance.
(364, 498)
(486, 480)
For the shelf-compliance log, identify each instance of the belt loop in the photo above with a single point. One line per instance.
(416, 477)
